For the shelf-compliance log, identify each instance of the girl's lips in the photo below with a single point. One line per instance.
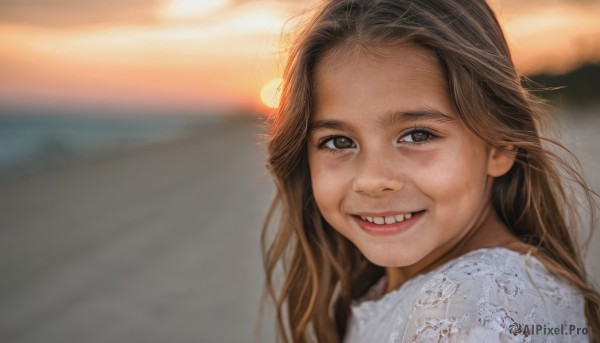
(388, 229)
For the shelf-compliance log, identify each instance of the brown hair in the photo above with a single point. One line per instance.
(323, 271)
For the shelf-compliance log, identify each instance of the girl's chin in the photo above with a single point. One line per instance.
(392, 259)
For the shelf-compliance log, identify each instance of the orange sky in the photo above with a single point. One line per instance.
(186, 54)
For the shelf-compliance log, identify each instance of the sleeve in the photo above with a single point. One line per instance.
(466, 306)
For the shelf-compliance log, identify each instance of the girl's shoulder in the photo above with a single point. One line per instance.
(499, 274)
(493, 294)
(485, 295)
(508, 272)
(512, 272)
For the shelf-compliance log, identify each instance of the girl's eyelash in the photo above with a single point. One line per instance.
(322, 144)
(417, 129)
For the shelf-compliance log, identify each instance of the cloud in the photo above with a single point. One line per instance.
(66, 13)
(73, 13)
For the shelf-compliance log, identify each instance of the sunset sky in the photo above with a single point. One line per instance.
(195, 54)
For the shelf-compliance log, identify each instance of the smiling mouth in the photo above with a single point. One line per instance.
(383, 220)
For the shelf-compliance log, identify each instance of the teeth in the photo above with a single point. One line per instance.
(367, 218)
(388, 219)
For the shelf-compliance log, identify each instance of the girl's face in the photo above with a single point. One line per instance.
(393, 167)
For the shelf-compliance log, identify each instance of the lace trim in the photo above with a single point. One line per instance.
(375, 300)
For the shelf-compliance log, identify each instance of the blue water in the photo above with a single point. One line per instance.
(34, 139)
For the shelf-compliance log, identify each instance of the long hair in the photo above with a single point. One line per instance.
(323, 271)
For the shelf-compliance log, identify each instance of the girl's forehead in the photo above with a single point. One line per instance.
(376, 70)
(350, 51)
(347, 61)
(402, 79)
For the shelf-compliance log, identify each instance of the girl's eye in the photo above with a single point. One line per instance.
(336, 143)
(417, 136)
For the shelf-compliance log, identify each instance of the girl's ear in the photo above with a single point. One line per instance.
(501, 160)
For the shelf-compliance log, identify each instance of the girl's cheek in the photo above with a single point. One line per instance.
(430, 166)
(451, 173)
(424, 158)
(329, 177)
(437, 170)
(323, 163)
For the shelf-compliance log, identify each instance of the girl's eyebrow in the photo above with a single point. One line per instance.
(329, 124)
(412, 116)
(384, 122)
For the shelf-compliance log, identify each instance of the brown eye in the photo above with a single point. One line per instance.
(337, 143)
(342, 143)
(417, 137)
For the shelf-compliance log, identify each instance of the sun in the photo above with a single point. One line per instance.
(271, 93)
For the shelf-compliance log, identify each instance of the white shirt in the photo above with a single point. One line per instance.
(486, 295)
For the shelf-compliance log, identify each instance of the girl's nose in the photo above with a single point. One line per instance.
(377, 176)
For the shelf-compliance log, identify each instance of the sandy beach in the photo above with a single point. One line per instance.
(160, 244)
(156, 245)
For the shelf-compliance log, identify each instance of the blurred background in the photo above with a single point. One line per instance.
(132, 178)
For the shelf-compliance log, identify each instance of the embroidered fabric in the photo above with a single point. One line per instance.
(486, 295)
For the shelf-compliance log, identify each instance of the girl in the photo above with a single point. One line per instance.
(418, 203)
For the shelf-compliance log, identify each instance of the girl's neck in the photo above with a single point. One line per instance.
(487, 233)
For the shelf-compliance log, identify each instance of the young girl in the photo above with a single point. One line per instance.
(418, 203)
